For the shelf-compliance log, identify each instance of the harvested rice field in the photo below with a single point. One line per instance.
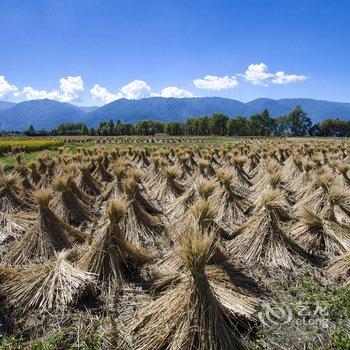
(164, 243)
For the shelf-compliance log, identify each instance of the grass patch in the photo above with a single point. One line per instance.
(320, 317)
(9, 161)
(55, 342)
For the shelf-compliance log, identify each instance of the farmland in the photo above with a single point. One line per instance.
(174, 243)
(13, 145)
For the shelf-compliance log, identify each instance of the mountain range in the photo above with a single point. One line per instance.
(47, 114)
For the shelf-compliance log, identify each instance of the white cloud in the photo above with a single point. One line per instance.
(173, 91)
(69, 90)
(135, 90)
(6, 88)
(212, 82)
(282, 78)
(258, 74)
(132, 91)
(32, 94)
(99, 92)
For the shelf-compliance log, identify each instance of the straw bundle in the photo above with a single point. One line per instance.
(339, 205)
(201, 189)
(23, 172)
(320, 235)
(142, 227)
(232, 201)
(48, 286)
(71, 208)
(242, 177)
(11, 193)
(12, 204)
(48, 235)
(318, 198)
(170, 186)
(200, 311)
(101, 171)
(339, 269)
(34, 174)
(262, 240)
(115, 188)
(111, 257)
(86, 181)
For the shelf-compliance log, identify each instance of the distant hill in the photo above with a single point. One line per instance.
(318, 110)
(48, 114)
(39, 113)
(274, 106)
(6, 105)
(179, 109)
(164, 109)
(88, 109)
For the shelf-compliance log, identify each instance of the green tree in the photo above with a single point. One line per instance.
(261, 124)
(331, 127)
(217, 124)
(30, 131)
(197, 126)
(84, 130)
(238, 126)
(202, 126)
(110, 127)
(173, 128)
(282, 125)
(300, 123)
(148, 127)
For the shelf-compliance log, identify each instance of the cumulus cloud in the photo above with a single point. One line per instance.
(282, 78)
(6, 88)
(213, 82)
(69, 90)
(135, 90)
(132, 91)
(258, 74)
(173, 91)
(32, 94)
(99, 92)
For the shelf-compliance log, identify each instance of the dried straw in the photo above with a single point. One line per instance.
(262, 240)
(197, 312)
(48, 235)
(111, 257)
(48, 286)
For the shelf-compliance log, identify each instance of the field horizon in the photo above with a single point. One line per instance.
(48, 114)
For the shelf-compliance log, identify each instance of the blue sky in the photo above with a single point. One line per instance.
(90, 52)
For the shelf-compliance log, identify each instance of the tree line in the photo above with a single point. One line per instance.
(296, 123)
